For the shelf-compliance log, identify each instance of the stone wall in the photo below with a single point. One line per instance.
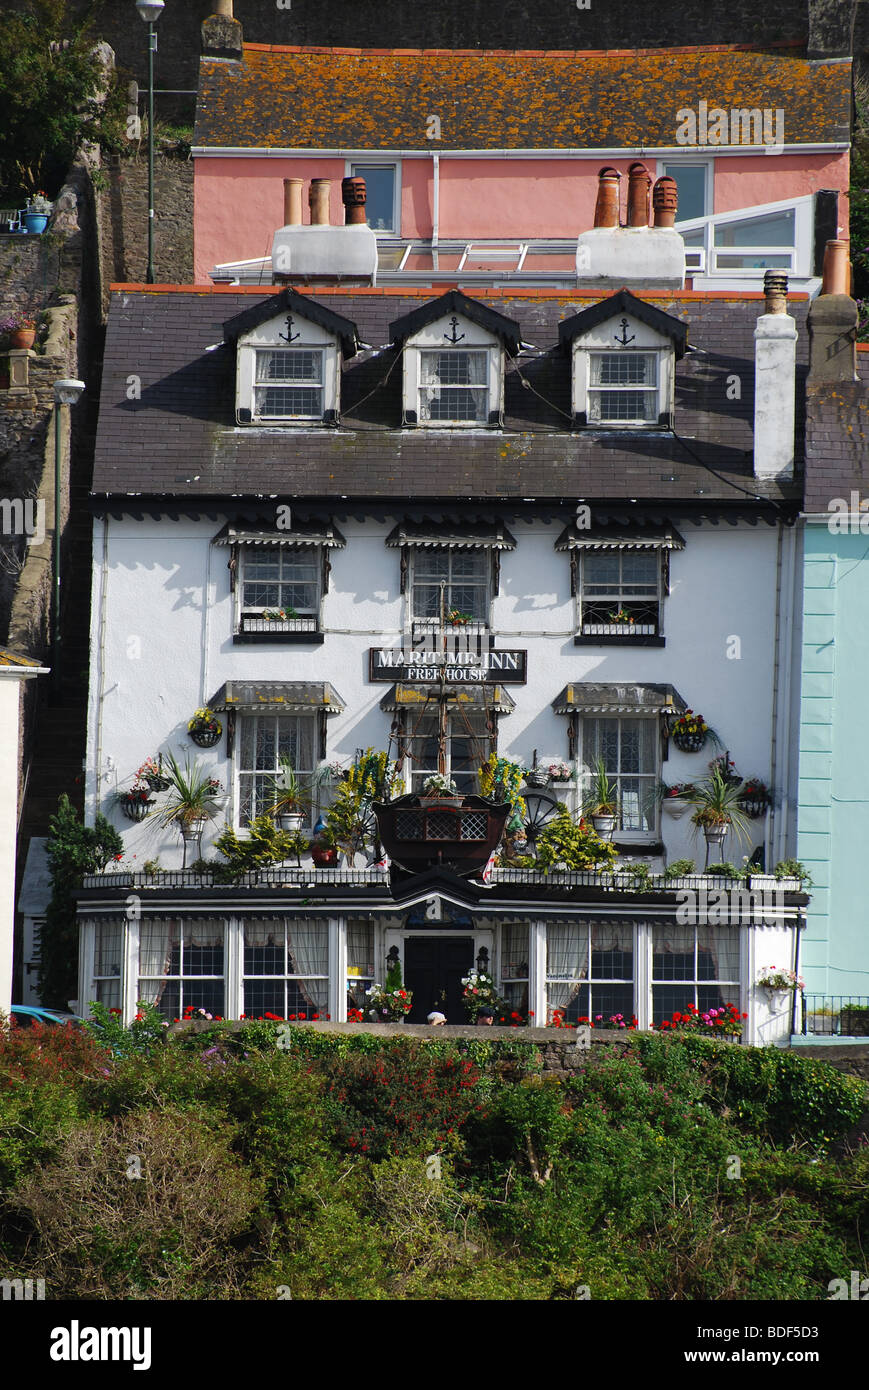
(124, 221)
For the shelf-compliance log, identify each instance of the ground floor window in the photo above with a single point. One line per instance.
(515, 954)
(360, 961)
(108, 957)
(693, 965)
(286, 967)
(590, 969)
(181, 964)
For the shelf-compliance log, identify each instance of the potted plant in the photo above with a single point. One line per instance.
(37, 213)
(557, 770)
(674, 798)
(194, 798)
(456, 618)
(205, 728)
(19, 329)
(778, 984)
(478, 989)
(755, 797)
(601, 802)
(536, 777)
(136, 802)
(568, 845)
(622, 617)
(689, 732)
(727, 767)
(289, 806)
(439, 790)
(389, 1003)
(718, 810)
(324, 851)
(153, 774)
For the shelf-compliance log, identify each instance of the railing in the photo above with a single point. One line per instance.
(622, 882)
(836, 1015)
(255, 623)
(281, 876)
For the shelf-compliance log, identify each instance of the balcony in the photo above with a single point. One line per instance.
(459, 833)
(291, 876)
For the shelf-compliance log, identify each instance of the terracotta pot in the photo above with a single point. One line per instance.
(22, 337)
(324, 858)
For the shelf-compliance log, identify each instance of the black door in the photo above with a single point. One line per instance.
(433, 969)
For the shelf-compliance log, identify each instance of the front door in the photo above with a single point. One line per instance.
(433, 969)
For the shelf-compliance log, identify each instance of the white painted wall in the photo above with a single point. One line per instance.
(162, 619)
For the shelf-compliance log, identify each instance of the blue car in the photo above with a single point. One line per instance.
(25, 1015)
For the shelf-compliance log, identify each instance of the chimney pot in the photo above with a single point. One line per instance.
(775, 290)
(293, 202)
(836, 274)
(665, 201)
(639, 184)
(318, 201)
(223, 7)
(606, 208)
(354, 196)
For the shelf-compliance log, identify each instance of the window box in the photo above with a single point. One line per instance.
(625, 630)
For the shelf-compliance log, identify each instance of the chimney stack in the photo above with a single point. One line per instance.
(833, 319)
(318, 201)
(292, 199)
(665, 201)
(639, 184)
(775, 354)
(354, 196)
(221, 33)
(606, 209)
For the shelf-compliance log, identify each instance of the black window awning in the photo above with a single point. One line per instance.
(278, 697)
(303, 532)
(592, 697)
(405, 695)
(635, 537)
(482, 535)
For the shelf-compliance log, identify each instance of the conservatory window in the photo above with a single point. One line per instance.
(286, 967)
(693, 965)
(181, 965)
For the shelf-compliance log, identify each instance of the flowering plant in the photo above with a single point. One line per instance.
(388, 1005)
(355, 1016)
(13, 322)
(139, 792)
(279, 615)
(39, 204)
(723, 1022)
(204, 719)
(439, 785)
(755, 789)
(478, 989)
(456, 618)
(621, 616)
(676, 789)
(558, 771)
(727, 767)
(771, 978)
(689, 724)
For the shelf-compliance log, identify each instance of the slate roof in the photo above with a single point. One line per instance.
(180, 439)
(292, 98)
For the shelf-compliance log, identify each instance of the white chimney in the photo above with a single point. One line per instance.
(775, 355)
(609, 255)
(319, 253)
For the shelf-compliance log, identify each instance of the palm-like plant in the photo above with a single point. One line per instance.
(194, 795)
(287, 792)
(717, 806)
(602, 797)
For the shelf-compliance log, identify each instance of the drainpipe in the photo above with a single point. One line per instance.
(436, 199)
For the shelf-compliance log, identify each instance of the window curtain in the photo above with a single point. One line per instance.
(263, 931)
(514, 951)
(308, 952)
(720, 947)
(157, 941)
(451, 369)
(566, 961)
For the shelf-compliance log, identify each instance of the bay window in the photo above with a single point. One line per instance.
(181, 964)
(590, 969)
(286, 967)
(693, 965)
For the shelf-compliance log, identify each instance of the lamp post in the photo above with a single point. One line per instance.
(66, 392)
(150, 11)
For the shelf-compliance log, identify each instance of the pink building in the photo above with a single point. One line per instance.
(486, 163)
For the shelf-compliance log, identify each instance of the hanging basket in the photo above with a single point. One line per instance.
(689, 743)
(206, 737)
(535, 778)
(754, 807)
(135, 807)
(158, 784)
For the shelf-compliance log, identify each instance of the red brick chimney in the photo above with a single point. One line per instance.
(639, 184)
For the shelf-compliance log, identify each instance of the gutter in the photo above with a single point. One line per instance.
(571, 152)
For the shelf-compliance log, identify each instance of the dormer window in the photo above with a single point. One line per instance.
(288, 361)
(623, 353)
(454, 352)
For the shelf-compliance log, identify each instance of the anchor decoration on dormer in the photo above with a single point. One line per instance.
(455, 337)
(289, 336)
(624, 339)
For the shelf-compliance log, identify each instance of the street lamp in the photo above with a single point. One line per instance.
(150, 11)
(66, 392)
